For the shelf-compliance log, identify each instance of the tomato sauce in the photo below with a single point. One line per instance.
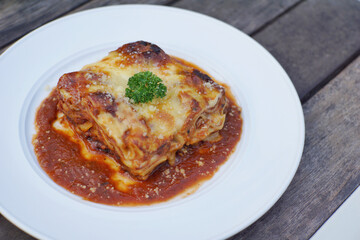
(61, 159)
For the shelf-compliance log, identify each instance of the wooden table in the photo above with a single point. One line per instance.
(318, 44)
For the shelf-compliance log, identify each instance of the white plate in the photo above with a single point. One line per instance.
(243, 189)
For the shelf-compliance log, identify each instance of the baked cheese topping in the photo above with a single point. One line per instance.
(141, 136)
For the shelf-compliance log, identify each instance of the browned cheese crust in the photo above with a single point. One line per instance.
(141, 136)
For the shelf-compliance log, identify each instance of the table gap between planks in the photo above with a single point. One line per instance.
(317, 43)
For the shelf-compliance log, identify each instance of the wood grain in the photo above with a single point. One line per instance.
(101, 3)
(4, 48)
(314, 40)
(246, 15)
(330, 166)
(8, 231)
(20, 17)
(12, 9)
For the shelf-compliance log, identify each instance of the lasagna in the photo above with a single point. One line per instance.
(141, 136)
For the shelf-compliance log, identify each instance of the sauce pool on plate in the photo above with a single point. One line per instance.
(94, 176)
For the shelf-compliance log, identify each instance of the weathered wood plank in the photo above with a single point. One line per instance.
(314, 40)
(7, 6)
(101, 3)
(20, 17)
(4, 49)
(9, 231)
(330, 166)
(246, 15)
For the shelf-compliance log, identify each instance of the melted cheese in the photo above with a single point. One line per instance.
(146, 134)
(171, 110)
(121, 179)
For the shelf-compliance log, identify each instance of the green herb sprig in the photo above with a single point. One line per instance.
(144, 86)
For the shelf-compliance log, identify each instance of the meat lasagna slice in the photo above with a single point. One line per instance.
(141, 136)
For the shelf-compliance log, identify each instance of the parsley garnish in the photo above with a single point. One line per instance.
(144, 86)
